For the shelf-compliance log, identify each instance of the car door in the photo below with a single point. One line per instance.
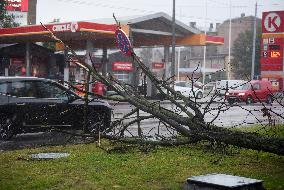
(54, 102)
(23, 104)
(189, 89)
(180, 87)
(257, 92)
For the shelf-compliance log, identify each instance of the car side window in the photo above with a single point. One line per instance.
(188, 85)
(30, 90)
(17, 89)
(50, 90)
(182, 84)
(256, 87)
(21, 89)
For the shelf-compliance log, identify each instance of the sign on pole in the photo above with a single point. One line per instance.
(123, 42)
(272, 22)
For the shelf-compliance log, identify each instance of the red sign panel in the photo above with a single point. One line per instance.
(17, 5)
(272, 54)
(17, 61)
(273, 22)
(122, 66)
(271, 60)
(59, 27)
(156, 65)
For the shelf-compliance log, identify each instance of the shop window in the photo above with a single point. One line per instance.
(3, 88)
(122, 76)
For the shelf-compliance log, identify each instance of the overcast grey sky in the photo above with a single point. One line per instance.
(186, 10)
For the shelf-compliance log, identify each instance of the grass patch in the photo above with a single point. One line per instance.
(265, 130)
(119, 166)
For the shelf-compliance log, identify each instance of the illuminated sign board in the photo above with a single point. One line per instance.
(272, 53)
(17, 5)
(73, 27)
(275, 54)
(122, 66)
(274, 47)
(156, 65)
(273, 22)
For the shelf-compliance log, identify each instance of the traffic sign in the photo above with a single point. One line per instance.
(272, 22)
(123, 42)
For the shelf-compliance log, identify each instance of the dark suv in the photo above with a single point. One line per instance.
(29, 104)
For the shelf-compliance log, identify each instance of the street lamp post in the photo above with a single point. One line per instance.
(178, 59)
(173, 41)
(204, 49)
(178, 63)
(253, 43)
(230, 34)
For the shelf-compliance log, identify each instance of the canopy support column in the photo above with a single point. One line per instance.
(89, 50)
(6, 72)
(104, 62)
(66, 68)
(28, 64)
(166, 62)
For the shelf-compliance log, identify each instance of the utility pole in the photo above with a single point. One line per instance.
(230, 34)
(204, 49)
(253, 43)
(173, 40)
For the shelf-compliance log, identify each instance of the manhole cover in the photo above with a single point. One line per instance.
(49, 155)
(222, 181)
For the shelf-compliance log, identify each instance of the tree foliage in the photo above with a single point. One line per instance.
(6, 20)
(242, 53)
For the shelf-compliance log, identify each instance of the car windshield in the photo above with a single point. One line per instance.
(183, 84)
(61, 89)
(245, 87)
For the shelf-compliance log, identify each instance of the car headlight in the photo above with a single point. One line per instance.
(241, 94)
(227, 94)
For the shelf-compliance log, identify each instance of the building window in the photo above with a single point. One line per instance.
(122, 76)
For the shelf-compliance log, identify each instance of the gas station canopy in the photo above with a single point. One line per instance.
(149, 30)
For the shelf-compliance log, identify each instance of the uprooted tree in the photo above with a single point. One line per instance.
(187, 119)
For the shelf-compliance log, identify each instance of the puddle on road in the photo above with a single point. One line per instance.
(50, 155)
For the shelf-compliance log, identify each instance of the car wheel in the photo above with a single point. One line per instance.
(249, 100)
(231, 101)
(199, 95)
(269, 99)
(6, 128)
(177, 96)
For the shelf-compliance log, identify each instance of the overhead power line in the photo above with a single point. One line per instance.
(83, 2)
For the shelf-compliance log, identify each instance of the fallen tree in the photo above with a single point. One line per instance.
(188, 121)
